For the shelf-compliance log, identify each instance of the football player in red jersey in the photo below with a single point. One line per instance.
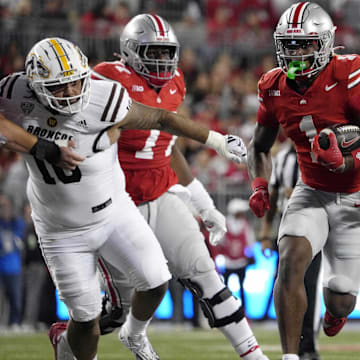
(154, 168)
(312, 89)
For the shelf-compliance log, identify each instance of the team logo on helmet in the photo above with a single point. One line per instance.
(35, 65)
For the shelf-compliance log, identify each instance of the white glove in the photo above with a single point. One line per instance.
(213, 219)
(230, 146)
(236, 146)
(215, 223)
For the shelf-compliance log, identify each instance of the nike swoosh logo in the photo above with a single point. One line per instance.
(329, 87)
(172, 92)
(345, 143)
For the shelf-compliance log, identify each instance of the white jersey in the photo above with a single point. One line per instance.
(75, 201)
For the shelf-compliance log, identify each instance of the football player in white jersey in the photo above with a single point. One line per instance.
(85, 212)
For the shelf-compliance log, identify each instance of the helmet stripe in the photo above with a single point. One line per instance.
(296, 19)
(60, 54)
(159, 24)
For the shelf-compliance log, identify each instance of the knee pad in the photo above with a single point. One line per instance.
(203, 265)
(340, 284)
(221, 307)
(80, 312)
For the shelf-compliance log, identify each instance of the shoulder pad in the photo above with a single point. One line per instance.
(345, 65)
(15, 86)
(268, 79)
(110, 99)
(180, 81)
(114, 71)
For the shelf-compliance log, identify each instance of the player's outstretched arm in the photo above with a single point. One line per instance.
(145, 117)
(14, 137)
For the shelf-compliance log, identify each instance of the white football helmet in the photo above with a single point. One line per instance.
(53, 62)
(143, 32)
(300, 25)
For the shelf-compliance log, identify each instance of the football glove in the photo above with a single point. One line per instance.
(215, 224)
(229, 146)
(213, 219)
(236, 147)
(259, 201)
(331, 158)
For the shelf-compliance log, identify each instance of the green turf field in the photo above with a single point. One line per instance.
(183, 345)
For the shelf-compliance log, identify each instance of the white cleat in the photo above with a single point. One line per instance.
(139, 345)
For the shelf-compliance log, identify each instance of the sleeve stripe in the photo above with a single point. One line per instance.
(11, 86)
(111, 97)
(4, 86)
(354, 73)
(117, 106)
(354, 83)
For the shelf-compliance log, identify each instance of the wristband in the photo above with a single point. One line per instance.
(259, 182)
(200, 198)
(46, 150)
(216, 141)
(356, 157)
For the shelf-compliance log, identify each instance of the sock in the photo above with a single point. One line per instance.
(242, 339)
(65, 350)
(290, 357)
(135, 326)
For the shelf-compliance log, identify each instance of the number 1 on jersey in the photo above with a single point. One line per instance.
(307, 126)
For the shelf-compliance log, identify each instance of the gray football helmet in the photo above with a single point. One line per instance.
(140, 36)
(301, 24)
(53, 62)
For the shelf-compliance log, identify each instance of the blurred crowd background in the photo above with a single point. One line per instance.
(225, 47)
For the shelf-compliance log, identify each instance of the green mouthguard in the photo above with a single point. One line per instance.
(295, 66)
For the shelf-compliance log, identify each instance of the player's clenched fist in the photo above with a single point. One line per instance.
(329, 156)
(259, 200)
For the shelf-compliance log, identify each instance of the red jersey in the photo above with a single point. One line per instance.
(325, 103)
(145, 154)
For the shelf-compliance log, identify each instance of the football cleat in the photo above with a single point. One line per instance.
(139, 345)
(61, 348)
(332, 325)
